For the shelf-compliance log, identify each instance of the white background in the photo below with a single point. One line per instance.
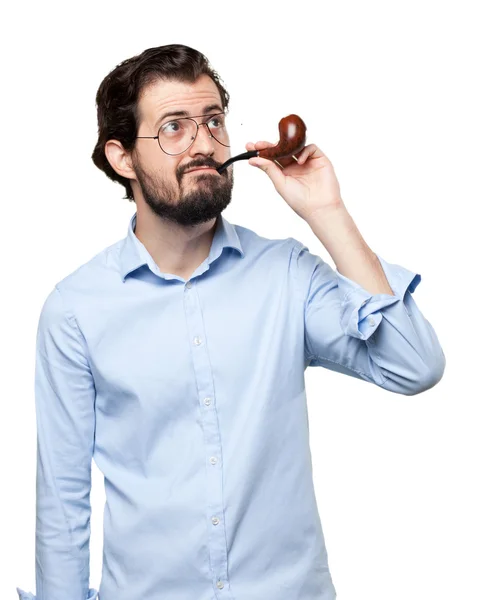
(388, 91)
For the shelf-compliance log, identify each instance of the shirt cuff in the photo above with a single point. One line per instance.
(92, 594)
(360, 310)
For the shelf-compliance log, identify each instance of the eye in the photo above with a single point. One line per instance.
(217, 121)
(171, 127)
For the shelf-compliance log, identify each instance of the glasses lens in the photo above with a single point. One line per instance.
(217, 126)
(177, 136)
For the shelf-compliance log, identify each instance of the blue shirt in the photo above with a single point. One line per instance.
(190, 397)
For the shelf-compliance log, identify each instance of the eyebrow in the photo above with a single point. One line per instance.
(184, 113)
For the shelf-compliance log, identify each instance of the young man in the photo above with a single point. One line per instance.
(175, 358)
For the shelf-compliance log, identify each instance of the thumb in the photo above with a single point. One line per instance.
(271, 169)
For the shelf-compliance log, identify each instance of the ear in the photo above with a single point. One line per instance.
(119, 159)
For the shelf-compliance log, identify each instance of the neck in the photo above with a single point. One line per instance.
(175, 249)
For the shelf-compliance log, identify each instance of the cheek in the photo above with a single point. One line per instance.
(226, 154)
(166, 172)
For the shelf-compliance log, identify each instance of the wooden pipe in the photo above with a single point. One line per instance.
(292, 139)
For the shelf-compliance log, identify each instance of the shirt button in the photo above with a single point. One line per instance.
(371, 321)
(220, 585)
(189, 284)
(197, 341)
(207, 401)
(213, 460)
(215, 520)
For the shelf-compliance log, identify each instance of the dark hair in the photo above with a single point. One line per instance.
(117, 96)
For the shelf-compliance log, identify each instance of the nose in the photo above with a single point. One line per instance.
(204, 142)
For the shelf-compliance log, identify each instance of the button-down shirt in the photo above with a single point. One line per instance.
(190, 397)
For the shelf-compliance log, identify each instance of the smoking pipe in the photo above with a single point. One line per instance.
(292, 138)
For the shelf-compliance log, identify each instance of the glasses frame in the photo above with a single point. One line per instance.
(198, 125)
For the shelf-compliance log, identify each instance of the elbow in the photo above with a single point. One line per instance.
(432, 376)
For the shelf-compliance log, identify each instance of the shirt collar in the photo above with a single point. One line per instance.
(133, 254)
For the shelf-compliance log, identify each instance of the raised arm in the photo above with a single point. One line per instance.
(381, 338)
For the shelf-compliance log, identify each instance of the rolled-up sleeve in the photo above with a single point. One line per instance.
(65, 419)
(379, 338)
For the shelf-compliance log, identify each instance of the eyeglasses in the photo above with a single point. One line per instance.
(175, 137)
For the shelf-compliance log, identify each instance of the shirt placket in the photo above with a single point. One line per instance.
(212, 443)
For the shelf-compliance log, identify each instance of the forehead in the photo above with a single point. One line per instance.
(163, 96)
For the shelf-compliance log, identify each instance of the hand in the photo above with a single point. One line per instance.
(307, 184)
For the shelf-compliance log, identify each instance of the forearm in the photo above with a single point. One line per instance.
(353, 258)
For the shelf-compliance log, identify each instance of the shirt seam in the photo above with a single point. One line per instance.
(296, 252)
(366, 375)
(297, 247)
(72, 318)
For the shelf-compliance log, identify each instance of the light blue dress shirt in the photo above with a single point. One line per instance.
(190, 397)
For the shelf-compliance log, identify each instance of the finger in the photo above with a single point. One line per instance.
(271, 169)
(259, 145)
(302, 156)
(310, 151)
(285, 161)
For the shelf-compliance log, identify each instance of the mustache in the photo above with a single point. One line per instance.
(203, 163)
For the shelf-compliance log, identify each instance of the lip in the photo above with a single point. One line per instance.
(199, 169)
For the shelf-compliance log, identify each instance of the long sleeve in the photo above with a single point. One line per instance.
(379, 338)
(64, 403)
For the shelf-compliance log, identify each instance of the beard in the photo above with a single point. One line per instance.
(208, 196)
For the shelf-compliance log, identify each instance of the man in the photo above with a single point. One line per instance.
(175, 358)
